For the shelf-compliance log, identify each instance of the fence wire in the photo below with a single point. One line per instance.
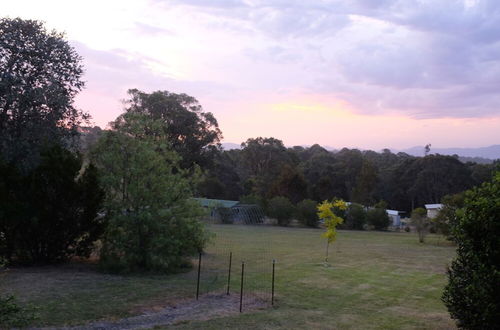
(238, 239)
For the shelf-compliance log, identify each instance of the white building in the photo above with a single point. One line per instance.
(395, 217)
(433, 210)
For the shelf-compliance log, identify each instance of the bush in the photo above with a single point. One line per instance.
(378, 218)
(11, 314)
(421, 222)
(50, 214)
(254, 200)
(355, 217)
(447, 214)
(307, 213)
(152, 240)
(152, 220)
(472, 294)
(281, 209)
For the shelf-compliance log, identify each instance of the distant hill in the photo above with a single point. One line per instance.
(482, 155)
(229, 146)
(491, 152)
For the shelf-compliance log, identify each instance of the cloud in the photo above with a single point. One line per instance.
(148, 29)
(421, 58)
(109, 74)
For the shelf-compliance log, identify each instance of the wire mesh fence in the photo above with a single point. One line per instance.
(237, 260)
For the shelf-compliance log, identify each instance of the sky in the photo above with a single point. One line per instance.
(370, 74)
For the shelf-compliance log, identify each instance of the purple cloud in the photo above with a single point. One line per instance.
(426, 59)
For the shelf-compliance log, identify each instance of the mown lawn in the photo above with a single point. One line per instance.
(376, 280)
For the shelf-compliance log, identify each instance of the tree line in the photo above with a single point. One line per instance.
(265, 168)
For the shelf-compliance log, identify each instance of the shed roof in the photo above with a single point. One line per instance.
(207, 202)
(433, 206)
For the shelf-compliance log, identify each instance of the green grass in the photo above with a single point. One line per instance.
(376, 280)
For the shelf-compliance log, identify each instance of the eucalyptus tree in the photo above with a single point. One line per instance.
(40, 75)
(193, 133)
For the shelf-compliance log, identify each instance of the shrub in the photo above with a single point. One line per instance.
(378, 218)
(14, 315)
(50, 214)
(472, 294)
(152, 220)
(281, 209)
(307, 213)
(255, 200)
(355, 217)
(421, 222)
(11, 313)
(447, 214)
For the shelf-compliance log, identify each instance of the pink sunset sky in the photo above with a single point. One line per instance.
(367, 74)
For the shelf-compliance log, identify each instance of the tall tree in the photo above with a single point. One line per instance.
(290, 183)
(472, 294)
(352, 161)
(50, 214)
(192, 133)
(40, 74)
(152, 220)
(325, 176)
(262, 159)
(365, 184)
(222, 180)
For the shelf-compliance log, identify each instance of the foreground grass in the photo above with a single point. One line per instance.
(375, 281)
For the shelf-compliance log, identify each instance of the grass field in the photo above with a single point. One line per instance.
(376, 280)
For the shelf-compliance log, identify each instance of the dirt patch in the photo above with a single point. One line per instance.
(207, 307)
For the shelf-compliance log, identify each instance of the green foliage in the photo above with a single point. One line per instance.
(355, 217)
(223, 213)
(50, 214)
(253, 199)
(421, 222)
(210, 187)
(152, 221)
(13, 315)
(378, 218)
(365, 184)
(281, 209)
(291, 184)
(221, 178)
(192, 133)
(447, 216)
(307, 213)
(473, 294)
(419, 181)
(323, 173)
(262, 161)
(40, 74)
(265, 167)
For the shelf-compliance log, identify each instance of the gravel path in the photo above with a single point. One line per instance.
(207, 307)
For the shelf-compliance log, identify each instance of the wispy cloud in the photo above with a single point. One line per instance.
(425, 58)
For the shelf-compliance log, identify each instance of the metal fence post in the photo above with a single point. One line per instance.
(198, 281)
(272, 285)
(229, 272)
(241, 285)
